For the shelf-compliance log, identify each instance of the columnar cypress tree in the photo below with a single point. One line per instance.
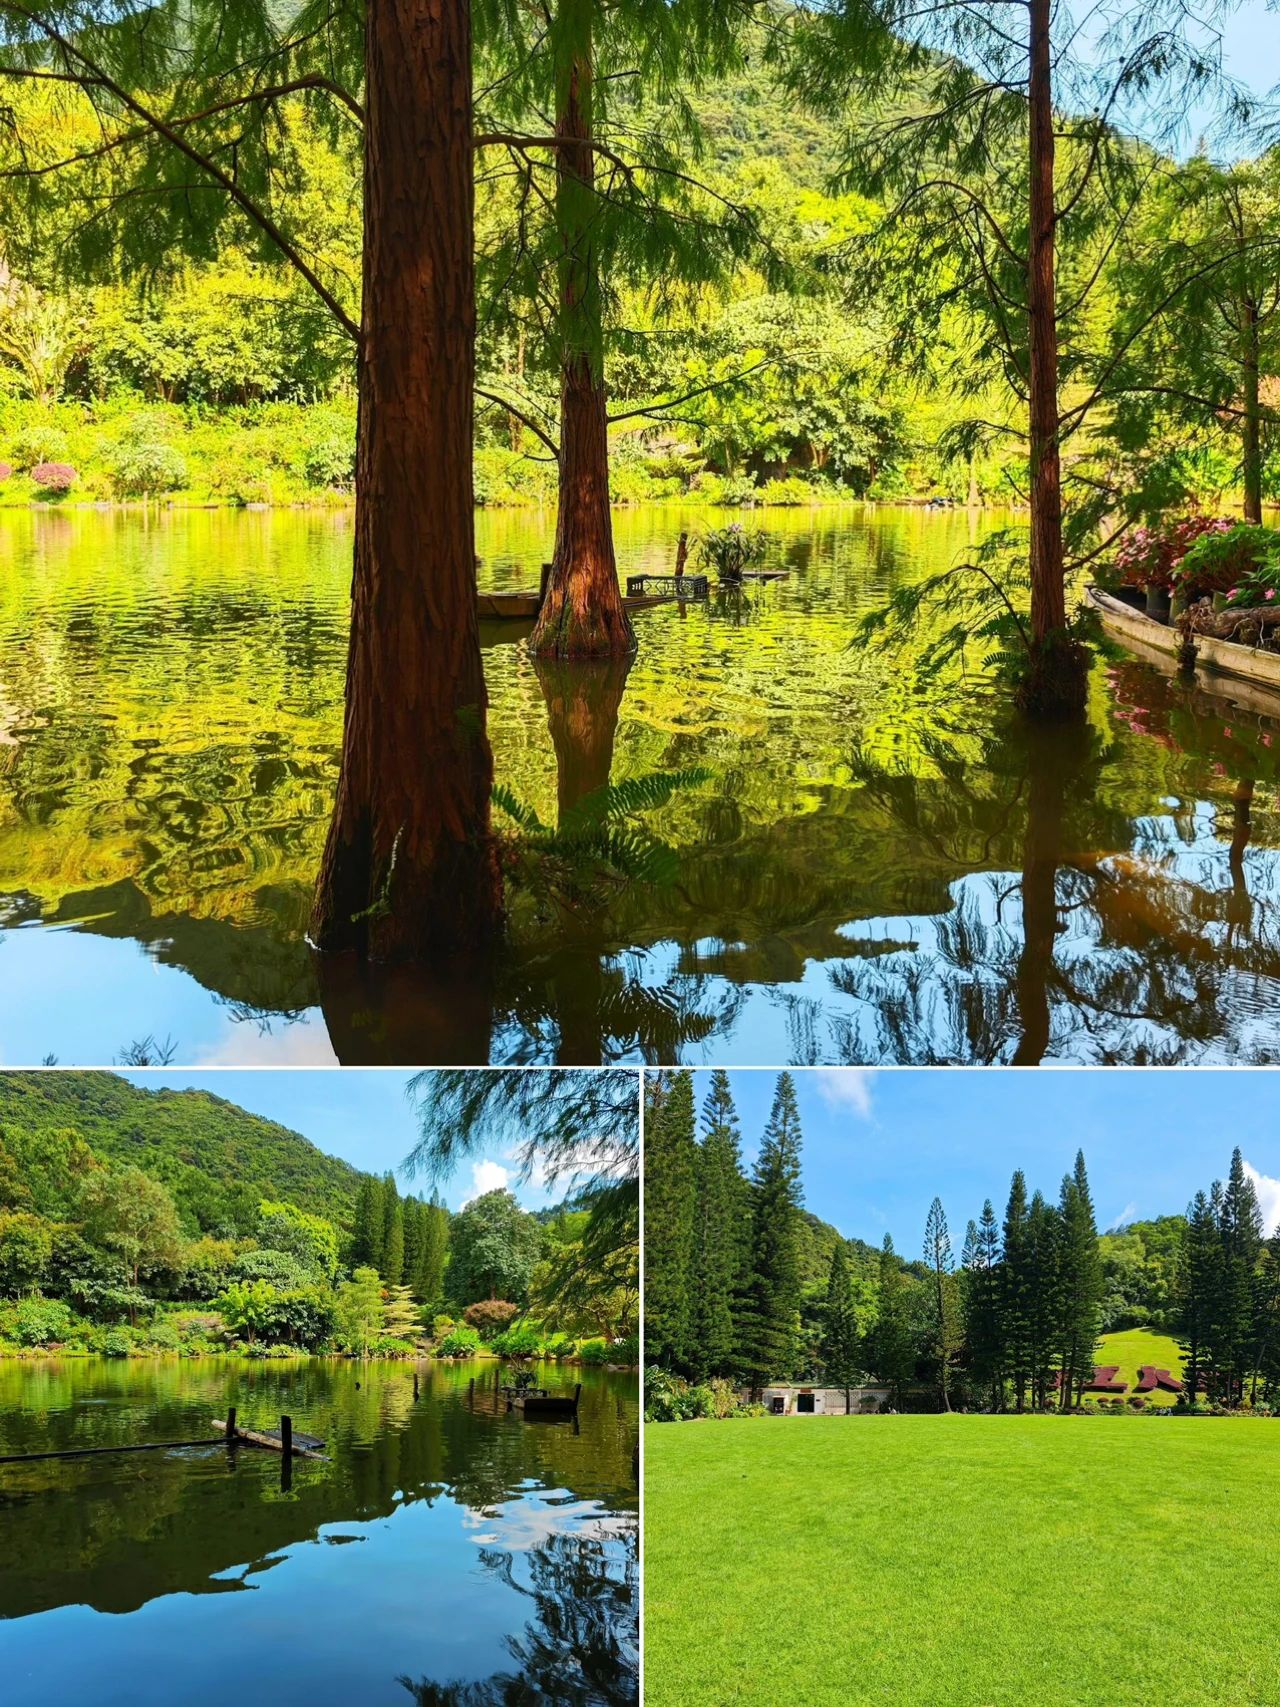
(1197, 1291)
(944, 1325)
(1044, 1316)
(984, 1323)
(840, 1344)
(413, 1210)
(369, 1237)
(891, 1344)
(433, 1259)
(1267, 1360)
(1016, 1289)
(670, 1196)
(393, 1255)
(771, 1301)
(1080, 1282)
(720, 1233)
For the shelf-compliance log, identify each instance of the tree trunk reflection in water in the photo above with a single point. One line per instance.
(1240, 904)
(583, 702)
(400, 1016)
(1042, 853)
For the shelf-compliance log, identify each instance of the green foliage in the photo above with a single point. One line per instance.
(248, 1307)
(459, 1342)
(490, 1316)
(494, 1246)
(41, 1321)
(360, 1315)
(731, 550)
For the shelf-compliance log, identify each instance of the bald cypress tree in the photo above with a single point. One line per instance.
(720, 1234)
(670, 1202)
(369, 1237)
(771, 1301)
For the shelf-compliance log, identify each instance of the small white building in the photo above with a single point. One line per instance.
(786, 1399)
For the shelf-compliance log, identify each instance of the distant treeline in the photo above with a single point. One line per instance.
(1015, 1325)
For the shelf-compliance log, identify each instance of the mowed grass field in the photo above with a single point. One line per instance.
(962, 1562)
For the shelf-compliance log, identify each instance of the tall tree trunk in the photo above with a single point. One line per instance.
(1041, 858)
(1055, 684)
(1250, 426)
(410, 870)
(582, 615)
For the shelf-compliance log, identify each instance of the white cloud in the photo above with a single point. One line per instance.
(486, 1176)
(1268, 1191)
(1127, 1214)
(846, 1087)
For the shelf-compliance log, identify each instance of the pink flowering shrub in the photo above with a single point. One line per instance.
(1149, 557)
(54, 476)
(6, 469)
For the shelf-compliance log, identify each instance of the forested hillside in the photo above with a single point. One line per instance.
(218, 1161)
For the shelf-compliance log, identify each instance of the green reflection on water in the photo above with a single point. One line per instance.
(458, 1541)
(876, 873)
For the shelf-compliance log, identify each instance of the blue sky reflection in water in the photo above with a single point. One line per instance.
(443, 1546)
(878, 871)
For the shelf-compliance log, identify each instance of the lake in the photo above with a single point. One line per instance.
(883, 868)
(447, 1554)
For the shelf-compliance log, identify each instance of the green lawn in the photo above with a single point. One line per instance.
(1135, 1347)
(962, 1562)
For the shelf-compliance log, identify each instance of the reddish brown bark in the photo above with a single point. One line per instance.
(582, 615)
(1250, 426)
(583, 702)
(1056, 669)
(410, 870)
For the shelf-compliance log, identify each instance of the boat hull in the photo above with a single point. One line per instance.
(1134, 628)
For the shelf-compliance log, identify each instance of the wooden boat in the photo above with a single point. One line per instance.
(1142, 633)
(539, 1403)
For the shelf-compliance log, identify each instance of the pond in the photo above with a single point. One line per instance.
(445, 1553)
(883, 868)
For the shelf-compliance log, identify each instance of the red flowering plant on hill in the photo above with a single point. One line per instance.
(54, 476)
(1150, 557)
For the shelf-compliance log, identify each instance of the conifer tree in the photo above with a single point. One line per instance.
(720, 1233)
(393, 1253)
(433, 1260)
(670, 1197)
(771, 1302)
(840, 1342)
(1044, 1316)
(1016, 1289)
(369, 1237)
(1240, 1231)
(1197, 1284)
(984, 1325)
(1080, 1283)
(413, 1210)
(944, 1324)
(892, 1345)
(401, 1316)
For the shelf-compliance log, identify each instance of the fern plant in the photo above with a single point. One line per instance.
(597, 843)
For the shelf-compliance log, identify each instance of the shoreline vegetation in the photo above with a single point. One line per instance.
(129, 454)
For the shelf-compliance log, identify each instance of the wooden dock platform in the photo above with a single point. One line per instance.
(282, 1439)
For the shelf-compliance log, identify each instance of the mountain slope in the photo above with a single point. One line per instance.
(217, 1160)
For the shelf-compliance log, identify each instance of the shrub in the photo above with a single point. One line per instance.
(116, 1342)
(1223, 559)
(521, 1341)
(440, 1326)
(626, 1350)
(1149, 557)
(669, 1399)
(39, 443)
(459, 1342)
(144, 466)
(490, 1316)
(54, 477)
(41, 1321)
(5, 471)
(594, 1351)
(330, 460)
(558, 1345)
(792, 492)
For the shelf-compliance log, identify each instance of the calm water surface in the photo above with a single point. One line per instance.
(879, 871)
(447, 1554)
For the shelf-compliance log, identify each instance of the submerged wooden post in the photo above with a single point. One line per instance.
(286, 1472)
(286, 1436)
(415, 1386)
(471, 1393)
(577, 1394)
(682, 552)
(231, 1424)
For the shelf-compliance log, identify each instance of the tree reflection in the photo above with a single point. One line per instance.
(580, 1647)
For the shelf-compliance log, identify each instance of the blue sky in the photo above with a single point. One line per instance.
(360, 1114)
(878, 1145)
